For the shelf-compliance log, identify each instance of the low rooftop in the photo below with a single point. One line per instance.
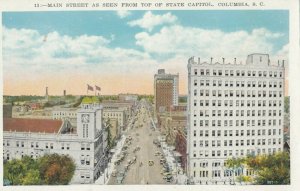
(32, 125)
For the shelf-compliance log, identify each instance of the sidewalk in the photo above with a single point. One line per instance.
(104, 178)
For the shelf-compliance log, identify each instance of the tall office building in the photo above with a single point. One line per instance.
(233, 110)
(165, 90)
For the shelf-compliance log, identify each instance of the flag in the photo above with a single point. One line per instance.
(98, 88)
(90, 87)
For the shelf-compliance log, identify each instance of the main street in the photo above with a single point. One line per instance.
(140, 135)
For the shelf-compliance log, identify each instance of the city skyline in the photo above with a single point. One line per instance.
(121, 51)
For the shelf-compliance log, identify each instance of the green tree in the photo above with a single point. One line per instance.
(16, 169)
(110, 141)
(269, 169)
(32, 177)
(56, 169)
(287, 104)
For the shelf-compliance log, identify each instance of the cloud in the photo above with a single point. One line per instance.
(27, 52)
(149, 20)
(188, 41)
(123, 13)
(32, 59)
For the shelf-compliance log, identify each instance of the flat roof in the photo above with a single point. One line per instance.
(31, 125)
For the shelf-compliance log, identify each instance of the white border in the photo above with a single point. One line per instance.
(294, 88)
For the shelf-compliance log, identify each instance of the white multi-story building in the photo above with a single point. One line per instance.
(86, 144)
(117, 114)
(233, 110)
(69, 114)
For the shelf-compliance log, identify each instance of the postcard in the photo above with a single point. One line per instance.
(146, 95)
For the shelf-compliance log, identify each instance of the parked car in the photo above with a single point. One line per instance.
(151, 162)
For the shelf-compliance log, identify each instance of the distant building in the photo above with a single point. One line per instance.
(7, 110)
(165, 90)
(128, 97)
(172, 123)
(118, 114)
(35, 106)
(127, 106)
(87, 144)
(65, 114)
(181, 107)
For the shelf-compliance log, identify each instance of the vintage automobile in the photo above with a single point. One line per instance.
(151, 162)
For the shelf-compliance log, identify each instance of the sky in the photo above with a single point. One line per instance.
(120, 51)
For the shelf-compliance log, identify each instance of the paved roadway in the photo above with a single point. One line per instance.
(142, 136)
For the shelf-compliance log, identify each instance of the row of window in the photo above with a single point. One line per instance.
(230, 143)
(226, 153)
(237, 93)
(47, 145)
(230, 133)
(227, 173)
(65, 114)
(248, 84)
(242, 123)
(239, 103)
(111, 114)
(238, 73)
(242, 113)
(85, 131)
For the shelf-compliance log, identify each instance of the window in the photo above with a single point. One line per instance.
(207, 82)
(206, 133)
(195, 71)
(220, 72)
(202, 72)
(195, 82)
(82, 146)
(207, 72)
(51, 145)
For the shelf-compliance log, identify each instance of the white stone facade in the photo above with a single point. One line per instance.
(118, 114)
(233, 110)
(86, 146)
(65, 113)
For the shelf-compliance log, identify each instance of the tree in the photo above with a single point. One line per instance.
(16, 170)
(32, 177)
(56, 169)
(49, 169)
(272, 169)
(287, 104)
(269, 169)
(108, 127)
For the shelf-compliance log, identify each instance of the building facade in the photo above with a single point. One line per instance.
(86, 145)
(165, 90)
(65, 114)
(233, 110)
